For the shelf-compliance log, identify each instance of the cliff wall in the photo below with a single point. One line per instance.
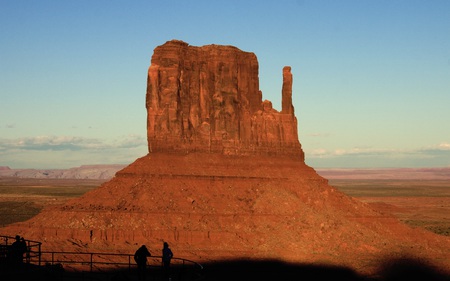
(207, 99)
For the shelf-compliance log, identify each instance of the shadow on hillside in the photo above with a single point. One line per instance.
(236, 270)
(401, 269)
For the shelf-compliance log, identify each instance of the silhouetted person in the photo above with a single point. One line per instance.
(166, 258)
(18, 248)
(24, 248)
(140, 257)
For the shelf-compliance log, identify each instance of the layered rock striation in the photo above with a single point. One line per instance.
(207, 99)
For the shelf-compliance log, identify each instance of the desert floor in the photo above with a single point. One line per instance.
(23, 198)
(418, 203)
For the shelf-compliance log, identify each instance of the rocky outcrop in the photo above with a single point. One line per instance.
(207, 99)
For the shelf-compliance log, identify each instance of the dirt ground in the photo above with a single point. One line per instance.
(22, 199)
(424, 204)
(418, 203)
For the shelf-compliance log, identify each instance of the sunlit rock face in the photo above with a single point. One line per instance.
(207, 99)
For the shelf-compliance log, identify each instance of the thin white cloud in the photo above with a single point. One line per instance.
(437, 155)
(69, 143)
(321, 152)
(320, 135)
(444, 146)
(70, 151)
(49, 143)
(131, 141)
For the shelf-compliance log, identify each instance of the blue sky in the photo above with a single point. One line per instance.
(371, 78)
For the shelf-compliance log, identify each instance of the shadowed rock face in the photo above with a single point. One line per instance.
(207, 99)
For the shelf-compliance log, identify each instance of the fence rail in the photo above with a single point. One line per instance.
(97, 262)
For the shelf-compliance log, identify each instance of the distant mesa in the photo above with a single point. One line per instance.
(97, 172)
(225, 178)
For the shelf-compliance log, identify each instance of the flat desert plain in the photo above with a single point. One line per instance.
(417, 202)
(23, 198)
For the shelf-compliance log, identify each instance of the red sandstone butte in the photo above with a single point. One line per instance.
(207, 99)
(225, 178)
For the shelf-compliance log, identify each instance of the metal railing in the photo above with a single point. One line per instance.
(33, 249)
(97, 263)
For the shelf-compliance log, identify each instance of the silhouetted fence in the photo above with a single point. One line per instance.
(33, 249)
(70, 263)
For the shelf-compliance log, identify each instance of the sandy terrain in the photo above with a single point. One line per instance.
(419, 203)
(23, 198)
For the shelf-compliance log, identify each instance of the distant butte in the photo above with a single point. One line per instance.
(225, 178)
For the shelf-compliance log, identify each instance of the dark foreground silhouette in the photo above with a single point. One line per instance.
(390, 270)
(404, 269)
